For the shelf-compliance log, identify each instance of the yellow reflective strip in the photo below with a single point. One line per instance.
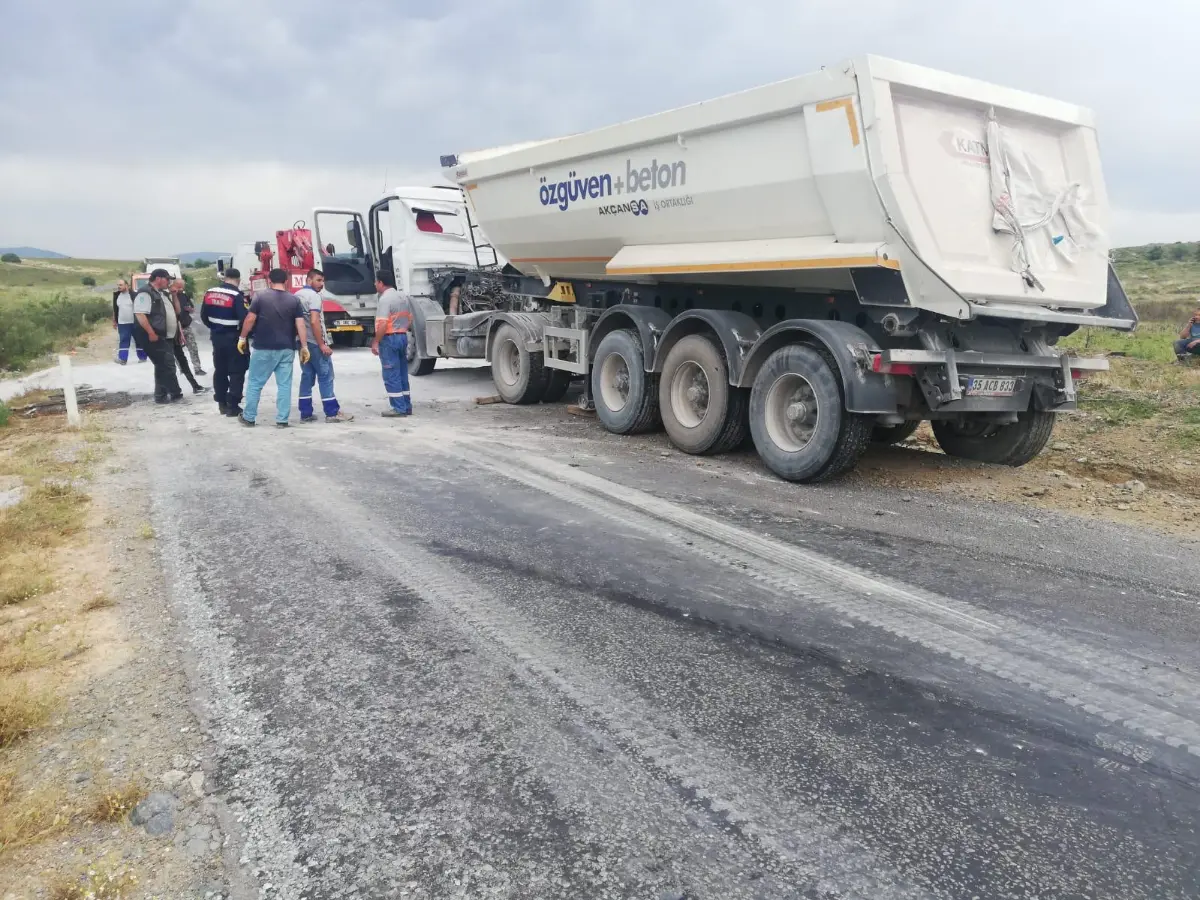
(846, 103)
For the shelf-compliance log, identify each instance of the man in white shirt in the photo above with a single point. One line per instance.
(319, 368)
(124, 322)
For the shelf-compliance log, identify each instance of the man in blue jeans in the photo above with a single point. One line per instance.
(319, 368)
(393, 318)
(277, 320)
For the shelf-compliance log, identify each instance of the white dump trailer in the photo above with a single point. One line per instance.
(822, 261)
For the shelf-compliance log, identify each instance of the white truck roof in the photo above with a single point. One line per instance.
(985, 199)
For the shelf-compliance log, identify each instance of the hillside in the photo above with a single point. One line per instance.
(33, 253)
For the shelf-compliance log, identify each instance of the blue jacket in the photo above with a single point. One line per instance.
(223, 310)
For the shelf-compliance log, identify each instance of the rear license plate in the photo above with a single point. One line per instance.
(344, 323)
(991, 387)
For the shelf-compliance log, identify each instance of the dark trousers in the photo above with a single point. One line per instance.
(181, 358)
(229, 369)
(166, 384)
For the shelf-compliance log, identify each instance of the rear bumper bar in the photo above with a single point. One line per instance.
(951, 384)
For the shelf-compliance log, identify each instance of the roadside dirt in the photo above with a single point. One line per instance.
(1131, 455)
(99, 650)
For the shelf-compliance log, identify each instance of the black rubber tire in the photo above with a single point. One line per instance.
(418, 364)
(727, 418)
(639, 414)
(839, 437)
(1005, 445)
(893, 434)
(558, 383)
(530, 382)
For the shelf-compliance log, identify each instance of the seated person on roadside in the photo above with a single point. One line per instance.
(1189, 338)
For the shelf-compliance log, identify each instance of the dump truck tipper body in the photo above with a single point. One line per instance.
(822, 261)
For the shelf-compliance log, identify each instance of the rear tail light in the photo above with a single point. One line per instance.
(878, 365)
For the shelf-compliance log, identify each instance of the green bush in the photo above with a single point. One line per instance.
(32, 321)
(87, 281)
(5, 413)
(1154, 252)
(10, 258)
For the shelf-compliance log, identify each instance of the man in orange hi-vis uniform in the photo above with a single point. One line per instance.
(393, 318)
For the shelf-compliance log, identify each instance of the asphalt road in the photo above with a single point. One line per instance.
(496, 652)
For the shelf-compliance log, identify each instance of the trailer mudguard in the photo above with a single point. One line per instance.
(530, 326)
(650, 322)
(736, 331)
(851, 347)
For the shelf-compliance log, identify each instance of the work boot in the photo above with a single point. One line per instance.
(222, 409)
(281, 424)
(199, 389)
(245, 421)
(304, 420)
(392, 414)
(234, 412)
(340, 417)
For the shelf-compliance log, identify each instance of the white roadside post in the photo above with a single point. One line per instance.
(68, 384)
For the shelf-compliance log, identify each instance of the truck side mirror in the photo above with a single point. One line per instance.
(220, 267)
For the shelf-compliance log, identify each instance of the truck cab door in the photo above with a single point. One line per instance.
(343, 251)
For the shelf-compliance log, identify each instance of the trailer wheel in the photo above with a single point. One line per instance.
(798, 419)
(558, 383)
(893, 434)
(517, 373)
(625, 394)
(1008, 445)
(418, 364)
(701, 411)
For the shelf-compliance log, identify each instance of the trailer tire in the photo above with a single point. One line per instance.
(893, 434)
(558, 383)
(418, 364)
(798, 417)
(701, 411)
(1013, 444)
(518, 373)
(625, 394)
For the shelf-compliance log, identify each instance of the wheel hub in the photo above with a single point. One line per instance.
(792, 412)
(689, 394)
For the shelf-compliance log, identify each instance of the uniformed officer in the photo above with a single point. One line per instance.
(393, 318)
(223, 310)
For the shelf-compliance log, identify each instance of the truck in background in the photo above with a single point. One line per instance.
(292, 251)
(170, 263)
(810, 265)
(424, 236)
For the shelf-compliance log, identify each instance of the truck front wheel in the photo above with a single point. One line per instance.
(518, 374)
(625, 394)
(701, 411)
(800, 426)
(1013, 444)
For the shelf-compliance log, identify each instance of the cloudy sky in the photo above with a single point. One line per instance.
(134, 127)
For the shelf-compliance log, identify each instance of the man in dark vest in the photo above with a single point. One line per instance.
(158, 328)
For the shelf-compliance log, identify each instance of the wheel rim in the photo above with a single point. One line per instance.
(614, 382)
(792, 412)
(509, 361)
(689, 394)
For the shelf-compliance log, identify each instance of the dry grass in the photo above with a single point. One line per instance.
(100, 881)
(32, 816)
(23, 709)
(100, 601)
(146, 532)
(115, 803)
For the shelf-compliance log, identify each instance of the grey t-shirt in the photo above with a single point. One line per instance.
(311, 301)
(275, 326)
(396, 308)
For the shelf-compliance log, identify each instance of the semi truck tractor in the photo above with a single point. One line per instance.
(811, 265)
